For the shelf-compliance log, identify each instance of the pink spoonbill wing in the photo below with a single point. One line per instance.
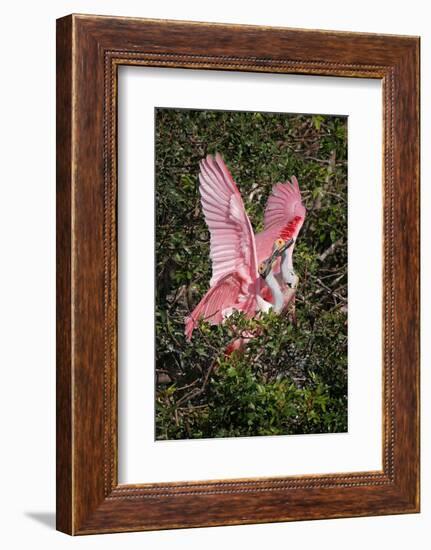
(232, 245)
(284, 216)
(220, 299)
(284, 205)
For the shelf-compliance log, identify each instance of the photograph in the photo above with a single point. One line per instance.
(251, 273)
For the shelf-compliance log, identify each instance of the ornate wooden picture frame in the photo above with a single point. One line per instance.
(89, 51)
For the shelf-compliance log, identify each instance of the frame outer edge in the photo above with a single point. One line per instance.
(407, 273)
(64, 368)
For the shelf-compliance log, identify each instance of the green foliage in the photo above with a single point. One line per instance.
(291, 378)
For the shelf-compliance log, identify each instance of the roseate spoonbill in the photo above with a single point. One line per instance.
(238, 256)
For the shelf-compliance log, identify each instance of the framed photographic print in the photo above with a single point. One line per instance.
(237, 274)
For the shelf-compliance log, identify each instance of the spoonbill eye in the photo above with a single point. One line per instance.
(279, 243)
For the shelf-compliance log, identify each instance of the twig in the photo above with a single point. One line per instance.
(330, 250)
(192, 407)
(187, 386)
(198, 391)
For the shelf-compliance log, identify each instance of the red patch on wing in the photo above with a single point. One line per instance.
(288, 231)
(266, 294)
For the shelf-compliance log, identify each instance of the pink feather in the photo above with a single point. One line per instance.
(235, 251)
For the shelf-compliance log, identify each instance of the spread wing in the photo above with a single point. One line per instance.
(284, 205)
(232, 244)
(221, 299)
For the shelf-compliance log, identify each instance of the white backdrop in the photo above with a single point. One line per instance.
(27, 214)
(141, 458)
